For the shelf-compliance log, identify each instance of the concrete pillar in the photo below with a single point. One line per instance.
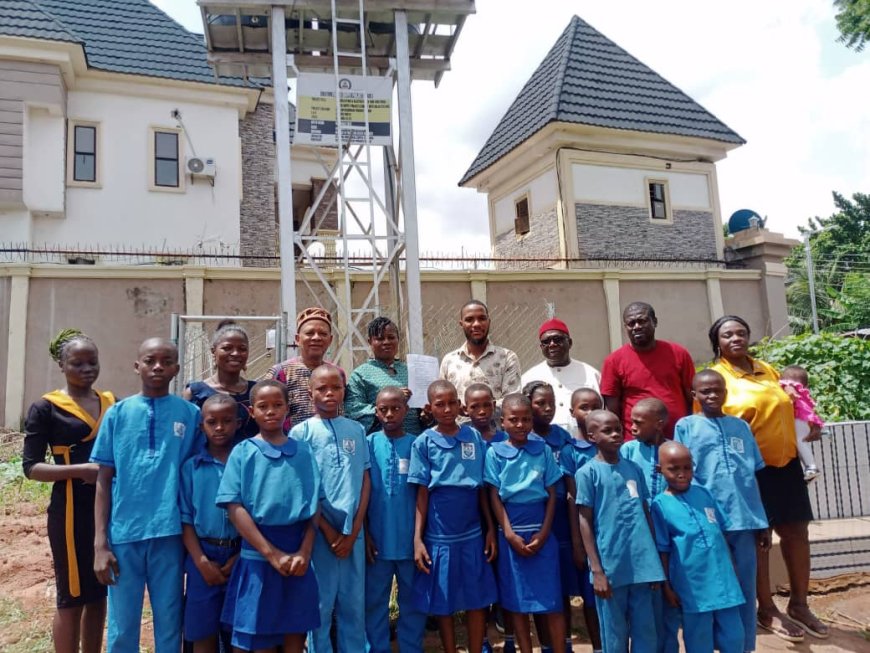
(16, 345)
(197, 358)
(714, 295)
(478, 288)
(614, 312)
(760, 249)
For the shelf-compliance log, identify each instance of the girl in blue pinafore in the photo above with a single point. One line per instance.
(543, 410)
(270, 488)
(451, 552)
(523, 475)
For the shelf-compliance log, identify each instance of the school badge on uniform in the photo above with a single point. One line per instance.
(349, 446)
(179, 429)
(468, 452)
(737, 445)
(711, 515)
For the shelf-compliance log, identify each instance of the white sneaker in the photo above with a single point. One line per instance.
(811, 473)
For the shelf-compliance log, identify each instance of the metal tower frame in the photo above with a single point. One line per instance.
(384, 225)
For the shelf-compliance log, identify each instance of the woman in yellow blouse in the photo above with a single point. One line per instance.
(754, 394)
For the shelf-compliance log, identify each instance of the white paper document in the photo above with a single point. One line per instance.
(422, 370)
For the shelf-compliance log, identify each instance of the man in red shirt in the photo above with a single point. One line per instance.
(646, 367)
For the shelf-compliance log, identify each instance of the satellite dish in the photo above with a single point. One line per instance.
(744, 219)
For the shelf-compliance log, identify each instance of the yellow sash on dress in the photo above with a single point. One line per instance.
(68, 404)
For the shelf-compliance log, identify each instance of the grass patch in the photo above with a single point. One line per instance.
(15, 489)
(14, 621)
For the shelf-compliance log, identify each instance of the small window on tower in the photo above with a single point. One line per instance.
(521, 221)
(659, 201)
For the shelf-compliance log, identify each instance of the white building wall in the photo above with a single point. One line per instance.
(542, 191)
(595, 184)
(43, 162)
(123, 211)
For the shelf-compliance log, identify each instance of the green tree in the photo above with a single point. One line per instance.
(853, 21)
(840, 246)
(838, 367)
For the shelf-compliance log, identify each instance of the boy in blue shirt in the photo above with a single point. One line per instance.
(648, 419)
(617, 535)
(700, 574)
(479, 407)
(726, 458)
(140, 448)
(390, 529)
(211, 540)
(342, 455)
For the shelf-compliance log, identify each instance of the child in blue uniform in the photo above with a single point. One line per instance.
(700, 574)
(212, 542)
(617, 536)
(389, 529)
(270, 488)
(648, 419)
(726, 458)
(342, 455)
(479, 407)
(573, 456)
(543, 410)
(523, 475)
(452, 553)
(140, 448)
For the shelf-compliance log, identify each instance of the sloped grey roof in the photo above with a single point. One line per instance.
(587, 79)
(120, 36)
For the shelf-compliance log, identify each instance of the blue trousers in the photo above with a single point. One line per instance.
(157, 564)
(342, 591)
(412, 624)
(742, 545)
(628, 615)
(719, 629)
(668, 622)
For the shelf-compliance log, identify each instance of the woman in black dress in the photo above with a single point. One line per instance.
(66, 422)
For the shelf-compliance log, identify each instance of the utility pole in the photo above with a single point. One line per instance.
(811, 277)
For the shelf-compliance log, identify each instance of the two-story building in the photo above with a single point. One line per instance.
(115, 133)
(599, 158)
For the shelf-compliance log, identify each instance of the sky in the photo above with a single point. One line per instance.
(773, 71)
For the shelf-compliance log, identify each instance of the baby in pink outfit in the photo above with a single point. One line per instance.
(795, 381)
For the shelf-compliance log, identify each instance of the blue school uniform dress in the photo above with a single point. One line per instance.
(688, 528)
(522, 475)
(146, 440)
(556, 440)
(278, 487)
(726, 458)
(616, 494)
(668, 618)
(575, 581)
(459, 578)
(342, 454)
(391, 527)
(200, 479)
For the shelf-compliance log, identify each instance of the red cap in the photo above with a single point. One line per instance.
(553, 324)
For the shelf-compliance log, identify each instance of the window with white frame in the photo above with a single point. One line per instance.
(83, 145)
(166, 173)
(659, 200)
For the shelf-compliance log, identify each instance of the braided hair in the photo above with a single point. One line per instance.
(225, 328)
(713, 334)
(378, 327)
(59, 345)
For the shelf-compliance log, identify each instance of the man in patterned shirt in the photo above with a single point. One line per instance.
(478, 360)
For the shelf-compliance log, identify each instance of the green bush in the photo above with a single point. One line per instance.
(839, 370)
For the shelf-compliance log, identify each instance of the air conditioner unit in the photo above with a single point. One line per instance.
(201, 166)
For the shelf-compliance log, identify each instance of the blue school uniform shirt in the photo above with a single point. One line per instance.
(646, 456)
(688, 528)
(616, 494)
(521, 474)
(393, 500)
(200, 478)
(575, 454)
(342, 455)
(453, 461)
(277, 486)
(146, 440)
(726, 457)
(498, 436)
(556, 440)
